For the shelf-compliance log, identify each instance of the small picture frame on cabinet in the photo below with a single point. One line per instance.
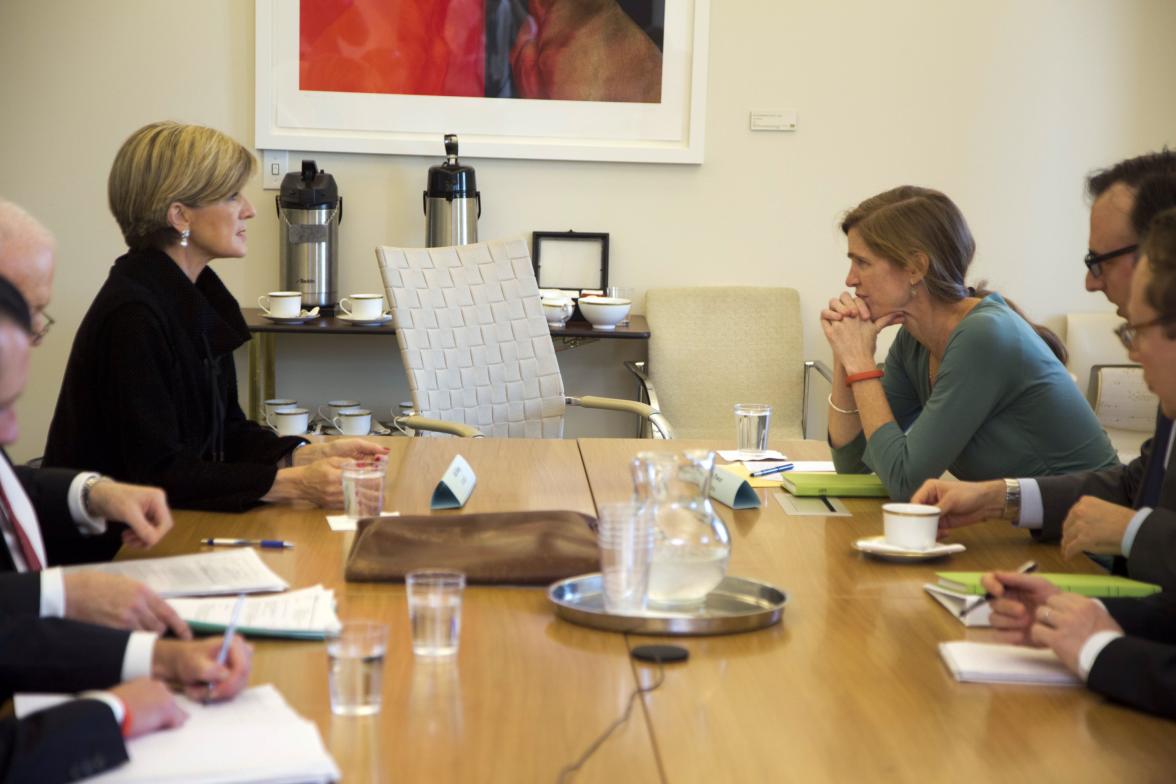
(570, 259)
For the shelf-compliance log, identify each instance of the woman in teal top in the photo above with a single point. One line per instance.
(969, 385)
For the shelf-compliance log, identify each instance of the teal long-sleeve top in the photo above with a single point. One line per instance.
(1002, 406)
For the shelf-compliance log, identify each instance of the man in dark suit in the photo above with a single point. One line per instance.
(1123, 648)
(1128, 511)
(61, 514)
(85, 736)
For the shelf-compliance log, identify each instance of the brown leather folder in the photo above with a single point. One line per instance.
(520, 548)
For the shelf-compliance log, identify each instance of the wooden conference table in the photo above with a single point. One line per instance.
(849, 686)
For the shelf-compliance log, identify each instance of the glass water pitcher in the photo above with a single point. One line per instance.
(691, 544)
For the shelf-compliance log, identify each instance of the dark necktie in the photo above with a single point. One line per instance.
(26, 547)
(1153, 479)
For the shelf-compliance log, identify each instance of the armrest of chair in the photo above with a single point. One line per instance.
(460, 429)
(646, 384)
(809, 366)
(661, 427)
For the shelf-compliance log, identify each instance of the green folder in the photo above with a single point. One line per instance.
(804, 483)
(1104, 586)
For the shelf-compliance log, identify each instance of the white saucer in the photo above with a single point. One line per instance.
(357, 322)
(289, 320)
(877, 547)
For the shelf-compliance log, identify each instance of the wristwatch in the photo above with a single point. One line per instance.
(1012, 502)
(87, 487)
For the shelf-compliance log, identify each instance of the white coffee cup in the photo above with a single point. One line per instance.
(913, 526)
(353, 422)
(291, 421)
(277, 404)
(363, 307)
(281, 304)
(331, 409)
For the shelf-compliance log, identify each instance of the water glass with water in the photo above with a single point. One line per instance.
(751, 429)
(363, 486)
(625, 534)
(355, 674)
(434, 611)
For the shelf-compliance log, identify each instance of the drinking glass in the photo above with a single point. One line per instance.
(363, 486)
(751, 429)
(434, 611)
(625, 534)
(355, 667)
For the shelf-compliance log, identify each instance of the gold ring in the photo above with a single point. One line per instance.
(1045, 615)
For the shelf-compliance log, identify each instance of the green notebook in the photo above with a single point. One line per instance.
(804, 483)
(1101, 585)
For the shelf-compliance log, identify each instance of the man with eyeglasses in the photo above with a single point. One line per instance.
(51, 517)
(1122, 648)
(1124, 511)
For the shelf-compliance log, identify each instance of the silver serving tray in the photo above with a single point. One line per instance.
(736, 605)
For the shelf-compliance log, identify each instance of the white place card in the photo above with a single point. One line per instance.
(733, 490)
(455, 486)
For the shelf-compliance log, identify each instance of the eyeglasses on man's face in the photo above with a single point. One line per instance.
(1094, 261)
(46, 321)
(1129, 332)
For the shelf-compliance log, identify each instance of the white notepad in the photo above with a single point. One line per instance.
(201, 574)
(255, 738)
(308, 613)
(978, 662)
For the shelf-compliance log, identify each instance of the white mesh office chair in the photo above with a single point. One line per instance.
(713, 347)
(476, 347)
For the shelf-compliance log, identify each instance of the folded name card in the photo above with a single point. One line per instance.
(455, 486)
(733, 490)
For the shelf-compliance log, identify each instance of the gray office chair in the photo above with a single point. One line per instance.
(713, 347)
(476, 347)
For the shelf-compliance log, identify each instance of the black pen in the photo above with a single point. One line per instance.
(1025, 568)
(825, 501)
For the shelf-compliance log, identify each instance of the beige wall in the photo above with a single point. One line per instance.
(1003, 104)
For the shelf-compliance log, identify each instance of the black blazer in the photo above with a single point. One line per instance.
(1153, 554)
(150, 390)
(1140, 669)
(71, 741)
(48, 490)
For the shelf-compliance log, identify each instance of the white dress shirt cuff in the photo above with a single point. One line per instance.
(137, 659)
(53, 593)
(116, 705)
(1032, 510)
(1092, 648)
(1133, 527)
(86, 522)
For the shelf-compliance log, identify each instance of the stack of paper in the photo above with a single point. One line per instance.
(255, 737)
(307, 614)
(202, 574)
(990, 663)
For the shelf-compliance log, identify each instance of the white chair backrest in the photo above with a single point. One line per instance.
(1091, 341)
(713, 347)
(1122, 399)
(475, 344)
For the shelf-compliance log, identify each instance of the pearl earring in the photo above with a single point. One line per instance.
(184, 237)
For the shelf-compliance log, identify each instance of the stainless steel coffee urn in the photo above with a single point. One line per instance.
(309, 212)
(451, 215)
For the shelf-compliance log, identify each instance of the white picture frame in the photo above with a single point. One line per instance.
(671, 131)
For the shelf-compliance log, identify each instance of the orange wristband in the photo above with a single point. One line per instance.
(128, 719)
(865, 376)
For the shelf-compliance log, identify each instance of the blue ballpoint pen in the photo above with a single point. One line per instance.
(773, 470)
(273, 544)
(229, 632)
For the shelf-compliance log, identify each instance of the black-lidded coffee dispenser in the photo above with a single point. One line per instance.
(309, 212)
(452, 202)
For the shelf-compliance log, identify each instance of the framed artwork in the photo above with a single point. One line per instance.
(394, 76)
(576, 260)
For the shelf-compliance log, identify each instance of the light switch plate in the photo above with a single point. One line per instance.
(773, 120)
(274, 165)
